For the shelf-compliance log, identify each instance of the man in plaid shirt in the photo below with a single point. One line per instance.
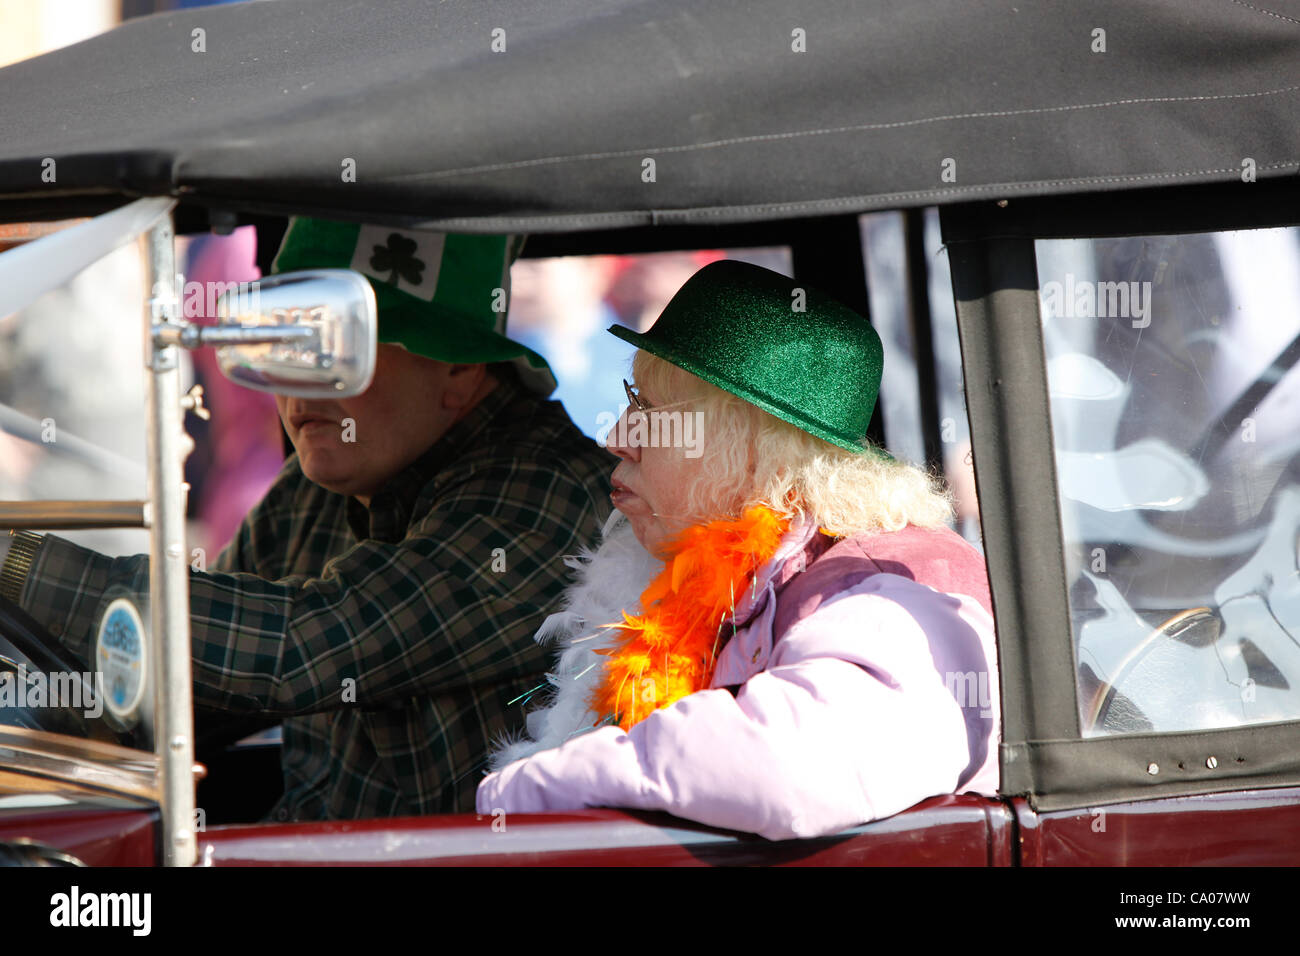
(383, 595)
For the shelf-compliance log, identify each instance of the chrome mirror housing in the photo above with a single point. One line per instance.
(310, 334)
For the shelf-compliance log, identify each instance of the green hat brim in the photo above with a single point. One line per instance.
(454, 340)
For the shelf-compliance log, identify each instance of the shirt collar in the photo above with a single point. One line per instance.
(389, 514)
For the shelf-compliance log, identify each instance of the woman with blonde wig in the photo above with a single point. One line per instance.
(778, 633)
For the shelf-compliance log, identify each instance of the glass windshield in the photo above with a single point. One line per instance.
(72, 427)
(1175, 402)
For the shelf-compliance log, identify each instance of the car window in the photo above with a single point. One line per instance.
(72, 426)
(72, 381)
(561, 308)
(1175, 405)
(884, 251)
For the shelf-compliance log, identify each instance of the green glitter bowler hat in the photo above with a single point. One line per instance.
(440, 295)
(739, 326)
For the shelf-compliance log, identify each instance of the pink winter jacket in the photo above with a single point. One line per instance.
(862, 678)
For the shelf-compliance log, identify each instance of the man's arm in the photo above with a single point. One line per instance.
(455, 603)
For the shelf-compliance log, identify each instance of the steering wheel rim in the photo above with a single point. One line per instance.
(1103, 697)
(24, 641)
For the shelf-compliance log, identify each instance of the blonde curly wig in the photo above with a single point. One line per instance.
(750, 457)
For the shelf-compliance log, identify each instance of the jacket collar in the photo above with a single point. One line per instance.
(799, 547)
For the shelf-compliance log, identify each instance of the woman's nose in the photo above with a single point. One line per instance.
(617, 441)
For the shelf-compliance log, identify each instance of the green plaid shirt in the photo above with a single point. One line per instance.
(402, 632)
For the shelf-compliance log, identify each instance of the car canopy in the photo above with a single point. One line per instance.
(507, 115)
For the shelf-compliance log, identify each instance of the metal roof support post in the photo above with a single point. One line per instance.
(922, 325)
(169, 609)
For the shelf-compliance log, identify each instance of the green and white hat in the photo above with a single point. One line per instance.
(441, 295)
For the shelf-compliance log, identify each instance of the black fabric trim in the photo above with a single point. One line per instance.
(995, 283)
(1070, 774)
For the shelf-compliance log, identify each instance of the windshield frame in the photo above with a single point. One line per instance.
(84, 763)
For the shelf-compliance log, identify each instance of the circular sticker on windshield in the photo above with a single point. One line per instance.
(120, 658)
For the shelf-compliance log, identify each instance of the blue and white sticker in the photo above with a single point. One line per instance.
(121, 659)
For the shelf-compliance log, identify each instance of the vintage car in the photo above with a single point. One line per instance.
(1116, 189)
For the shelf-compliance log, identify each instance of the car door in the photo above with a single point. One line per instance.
(950, 830)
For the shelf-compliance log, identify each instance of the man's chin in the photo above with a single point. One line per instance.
(327, 474)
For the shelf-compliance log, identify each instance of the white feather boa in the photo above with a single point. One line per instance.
(609, 581)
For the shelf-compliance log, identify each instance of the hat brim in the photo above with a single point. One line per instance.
(768, 403)
(452, 339)
(462, 343)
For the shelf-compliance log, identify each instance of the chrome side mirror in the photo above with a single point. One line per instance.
(310, 334)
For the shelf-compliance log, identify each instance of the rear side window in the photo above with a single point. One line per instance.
(1173, 366)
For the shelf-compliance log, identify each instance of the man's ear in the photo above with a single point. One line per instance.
(464, 383)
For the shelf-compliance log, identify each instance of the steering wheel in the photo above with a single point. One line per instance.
(1103, 699)
(25, 643)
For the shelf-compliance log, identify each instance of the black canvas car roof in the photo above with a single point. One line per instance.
(748, 109)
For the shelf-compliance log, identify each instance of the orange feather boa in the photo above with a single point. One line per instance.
(669, 651)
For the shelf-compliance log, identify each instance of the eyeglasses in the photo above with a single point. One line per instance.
(635, 399)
